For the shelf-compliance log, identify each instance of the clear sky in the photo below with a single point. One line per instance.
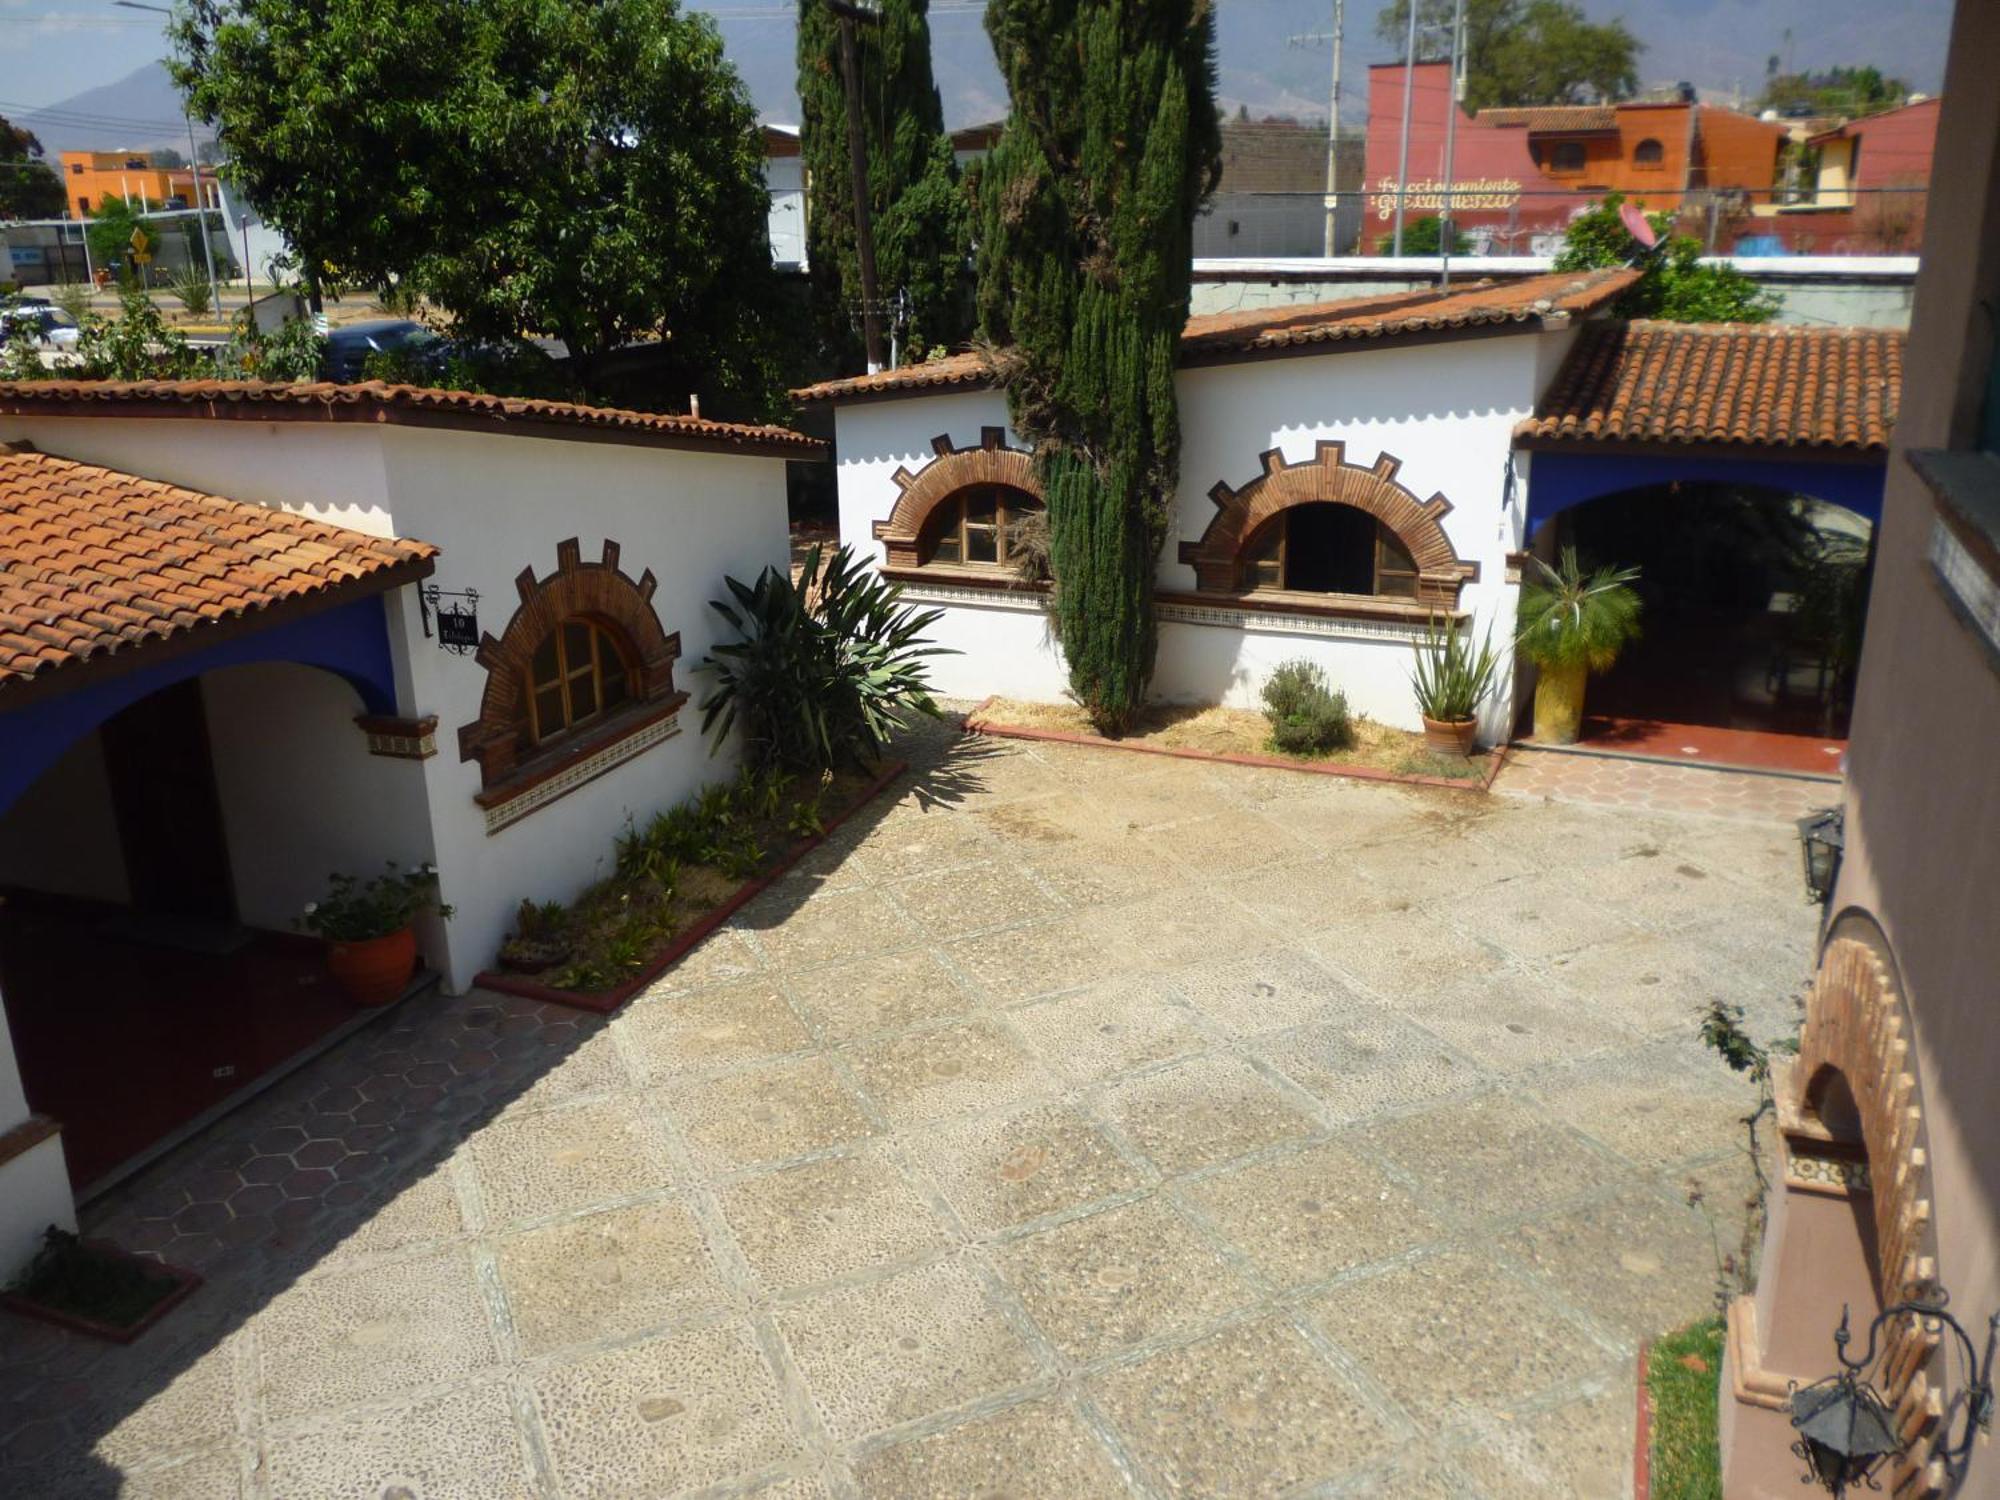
(59, 48)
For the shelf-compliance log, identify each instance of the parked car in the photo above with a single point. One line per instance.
(51, 327)
(348, 347)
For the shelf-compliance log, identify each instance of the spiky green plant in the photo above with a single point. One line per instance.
(1570, 618)
(821, 675)
(1087, 207)
(1451, 679)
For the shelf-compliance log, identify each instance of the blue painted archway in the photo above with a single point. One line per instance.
(350, 640)
(1558, 479)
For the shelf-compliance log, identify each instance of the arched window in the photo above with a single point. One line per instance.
(1648, 153)
(1328, 548)
(977, 526)
(580, 672)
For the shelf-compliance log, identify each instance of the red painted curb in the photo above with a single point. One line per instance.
(111, 1332)
(1642, 1443)
(976, 725)
(605, 1001)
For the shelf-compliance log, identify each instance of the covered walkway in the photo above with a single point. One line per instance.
(1740, 468)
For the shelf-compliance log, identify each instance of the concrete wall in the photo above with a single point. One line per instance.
(63, 836)
(1923, 797)
(1447, 410)
(1865, 291)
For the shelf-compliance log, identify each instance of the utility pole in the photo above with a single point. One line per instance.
(1403, 157)
(1447, 225)
(857, 162)
(1332, 120)
(194, 166)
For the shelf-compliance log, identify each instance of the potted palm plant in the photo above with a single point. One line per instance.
(1451, 681)
(372, 945)
(1573, 624)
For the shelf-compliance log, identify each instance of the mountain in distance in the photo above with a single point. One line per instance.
(1721, 46)
(140, 112)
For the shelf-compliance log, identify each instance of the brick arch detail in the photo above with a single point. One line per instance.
(1856, 1027)
(597, 591)
(952, 470)
(1327, 476)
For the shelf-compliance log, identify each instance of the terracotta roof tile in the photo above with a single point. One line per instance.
(374, 401)
(1220, 338)
(1771, 385)
(1555, 118)
(160, 561)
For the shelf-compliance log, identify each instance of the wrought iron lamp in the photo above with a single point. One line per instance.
(1822, 836)
(1847, 1430)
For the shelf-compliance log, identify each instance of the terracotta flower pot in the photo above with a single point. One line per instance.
(373, 971)
(1450, 736)
(1559, 704)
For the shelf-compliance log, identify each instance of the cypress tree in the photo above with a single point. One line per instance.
(916, 206)
(1087, 209)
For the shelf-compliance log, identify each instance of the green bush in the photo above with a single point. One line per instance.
(1570, 618)
(191, 289)
(1451, 679)
(1308, 716)
(823, 673)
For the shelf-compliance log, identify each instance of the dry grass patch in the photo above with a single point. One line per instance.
(1213, 730)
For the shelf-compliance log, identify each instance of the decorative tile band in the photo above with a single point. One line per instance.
(542, 793)
(943, 593)
(1830, 1174)
(1291, 624)
(400, 739)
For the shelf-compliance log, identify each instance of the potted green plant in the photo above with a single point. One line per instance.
(1573, 624)
(372, 946)
(1451, 681)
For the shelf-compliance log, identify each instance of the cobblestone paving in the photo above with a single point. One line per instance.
(1652, 786)
(1076, 1124)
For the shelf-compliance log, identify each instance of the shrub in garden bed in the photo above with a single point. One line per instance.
(104, 1290)
(1308, 716)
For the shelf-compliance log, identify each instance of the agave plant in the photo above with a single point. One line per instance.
(1451, 678)
(823, 672)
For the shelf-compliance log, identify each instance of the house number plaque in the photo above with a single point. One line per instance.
(457, 622)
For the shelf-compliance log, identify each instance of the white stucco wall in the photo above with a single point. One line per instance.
(62, 836)
(34, 1186)
(301, 797)
(494, 503)
(1447, 410)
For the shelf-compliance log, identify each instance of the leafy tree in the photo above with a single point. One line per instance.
(917, 210)
(531, 166)
(29, 186)
(1838, 91)
(1087, 207)
(138, 344)
(109, 232)
(166, 158)
(1675, 285)
(1523, 51)
(1424, 236)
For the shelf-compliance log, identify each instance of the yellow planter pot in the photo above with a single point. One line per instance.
(1559, 704)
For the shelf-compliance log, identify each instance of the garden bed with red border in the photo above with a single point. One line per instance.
(605, 1001)
(975, 723)
(185, 1282)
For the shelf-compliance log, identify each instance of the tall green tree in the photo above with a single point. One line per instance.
(916, 208)
(1523, 51)
(588, 171)
(29, 187)
(1086, 242)
(1864, 90)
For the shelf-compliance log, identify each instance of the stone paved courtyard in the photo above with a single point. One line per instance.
(1074, 1124)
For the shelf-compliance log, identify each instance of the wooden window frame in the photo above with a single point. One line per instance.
(603, 640)
(1556, 165)
(950, 517)
(1253, 564)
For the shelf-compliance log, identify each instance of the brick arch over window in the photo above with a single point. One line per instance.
(1417, 524)
(954, 469)
(596, 591)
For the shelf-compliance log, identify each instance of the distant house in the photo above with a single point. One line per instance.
(89, 177)
(1519, 175)
(1867, 185)
(1271, 200)
(785, 175)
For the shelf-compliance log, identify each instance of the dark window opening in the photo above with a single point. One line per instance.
(1566, 156)
(1649, 153)
(1328, 548)
(977, 526)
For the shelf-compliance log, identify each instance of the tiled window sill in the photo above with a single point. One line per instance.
(561, 770)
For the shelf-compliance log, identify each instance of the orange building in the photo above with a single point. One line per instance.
(89, 177)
